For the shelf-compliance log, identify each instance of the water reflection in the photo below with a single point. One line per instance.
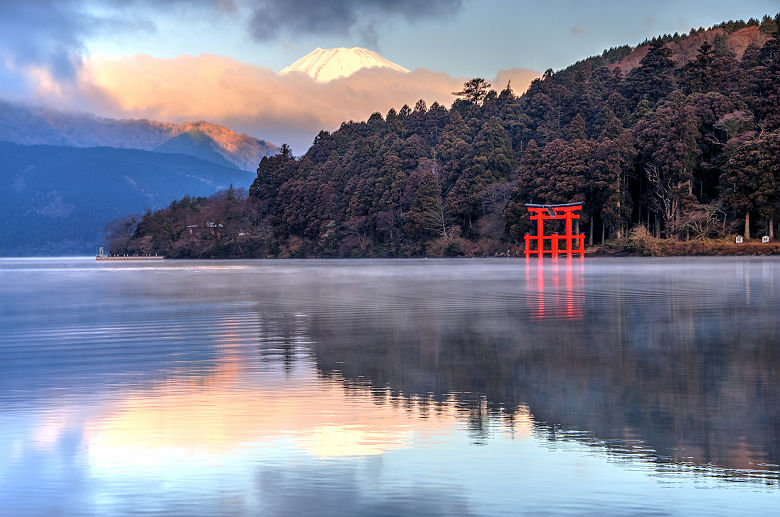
(324, 387)
(214, 416)
(561, 295)
(671, 364)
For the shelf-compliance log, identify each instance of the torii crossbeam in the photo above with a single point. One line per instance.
(542, 213)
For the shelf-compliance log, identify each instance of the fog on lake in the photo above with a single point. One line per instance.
(390, 387)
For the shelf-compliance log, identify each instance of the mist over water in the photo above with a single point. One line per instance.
(390, 387)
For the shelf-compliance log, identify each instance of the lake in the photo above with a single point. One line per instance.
(630, 386)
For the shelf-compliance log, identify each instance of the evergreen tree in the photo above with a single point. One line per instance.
(576, 129)
(607, 124)
(515, 213)
(474, 90)
(667, 143)
(653, 78)
(750, 179)
(698, 73)
(425, 217)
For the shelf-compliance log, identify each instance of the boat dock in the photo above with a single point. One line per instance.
(102, 256)
(130, 257)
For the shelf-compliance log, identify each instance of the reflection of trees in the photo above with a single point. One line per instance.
(687, 377)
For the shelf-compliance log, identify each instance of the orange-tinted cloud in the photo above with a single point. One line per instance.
(254, 99)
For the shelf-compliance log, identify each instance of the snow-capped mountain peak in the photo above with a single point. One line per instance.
(327, 64)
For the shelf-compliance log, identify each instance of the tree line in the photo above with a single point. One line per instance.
(685, 145)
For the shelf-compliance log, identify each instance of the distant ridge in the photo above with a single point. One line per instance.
(29, 125)
(327, 64)
(58, 199)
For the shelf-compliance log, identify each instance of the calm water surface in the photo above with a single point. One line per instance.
(373, 387)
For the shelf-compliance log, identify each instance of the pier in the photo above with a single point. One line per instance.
(130, 257)
(102, 256)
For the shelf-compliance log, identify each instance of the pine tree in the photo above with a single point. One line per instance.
(474, 90)
(653, 78)
(750, 179)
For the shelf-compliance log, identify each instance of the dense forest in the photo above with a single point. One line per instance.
(677, 138)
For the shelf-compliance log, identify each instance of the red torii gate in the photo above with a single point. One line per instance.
(542, 213)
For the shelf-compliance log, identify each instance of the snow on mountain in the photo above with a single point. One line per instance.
(327, 64)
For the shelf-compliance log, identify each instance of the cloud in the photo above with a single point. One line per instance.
(273, 19)
(575, 30)
(46, 40)
(292, 108)
(44, 59)
(41, 33)
(52, 34)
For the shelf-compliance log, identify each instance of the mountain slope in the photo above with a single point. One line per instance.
(684, 49)
(34, 125)
(195, 143)
(327, 64)
(56, 200)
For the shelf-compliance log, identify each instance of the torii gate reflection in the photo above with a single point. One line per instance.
(559, 301)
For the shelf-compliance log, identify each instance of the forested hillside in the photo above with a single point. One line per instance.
(680, 135)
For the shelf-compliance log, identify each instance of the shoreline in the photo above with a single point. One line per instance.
(596, 252)
(616, 248)
(607, 250)
(652, 247)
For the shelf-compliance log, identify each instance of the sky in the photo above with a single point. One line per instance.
(217, 59)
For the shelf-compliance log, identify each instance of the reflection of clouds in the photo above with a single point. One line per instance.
(340, 440)
(231, 410)
(218, 415)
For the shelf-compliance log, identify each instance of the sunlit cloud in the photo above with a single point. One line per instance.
(45, 59)
(255, 99)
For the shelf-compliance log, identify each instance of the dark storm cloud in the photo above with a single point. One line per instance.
(274, 18)
(51, 33)
(45, 33)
